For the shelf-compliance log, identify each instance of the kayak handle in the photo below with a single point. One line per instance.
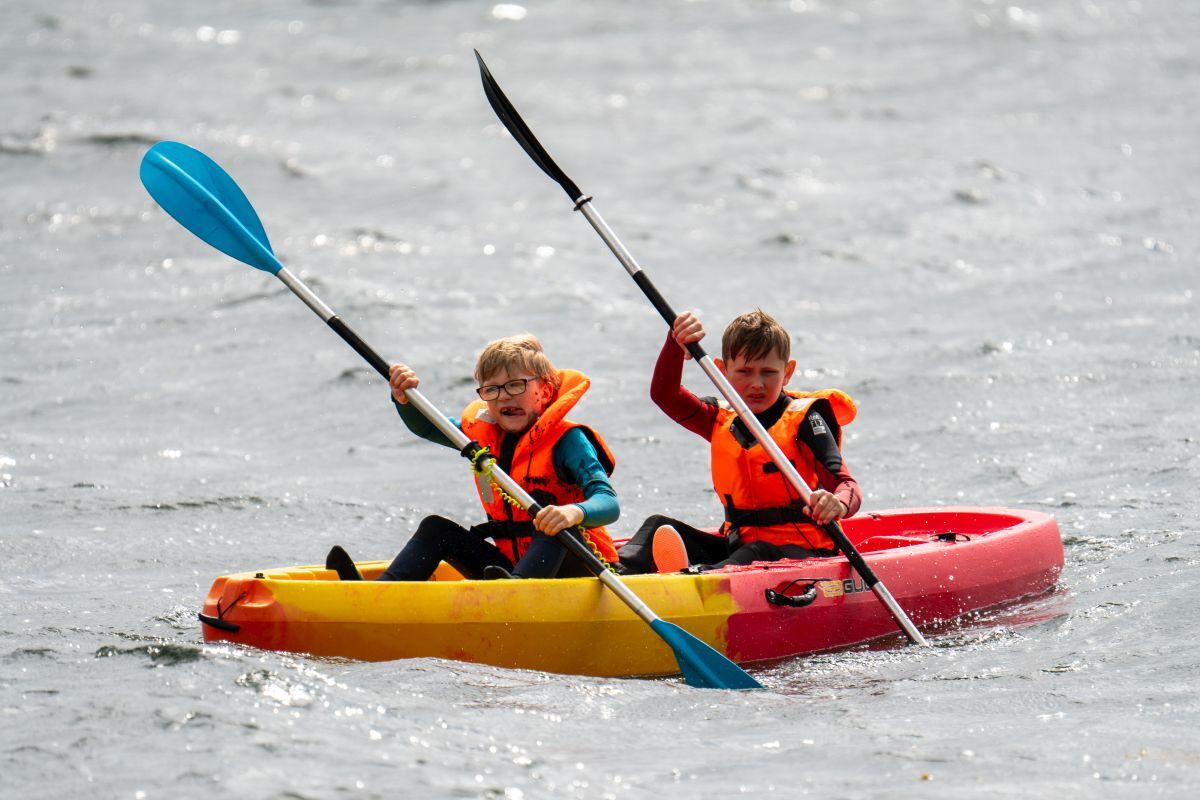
(780, 597)
(218, 621)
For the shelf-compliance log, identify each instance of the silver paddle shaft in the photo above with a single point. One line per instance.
(301, 290)
(786, 468)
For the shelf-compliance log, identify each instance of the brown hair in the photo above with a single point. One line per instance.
(520, 353)
(755, 335)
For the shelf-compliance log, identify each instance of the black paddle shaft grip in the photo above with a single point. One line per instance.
(362, 348)
(664, 309)
(580, 551)
(851, 553)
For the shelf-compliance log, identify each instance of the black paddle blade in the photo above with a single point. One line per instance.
(520, 131)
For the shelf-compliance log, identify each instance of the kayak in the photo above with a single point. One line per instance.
(939, 564)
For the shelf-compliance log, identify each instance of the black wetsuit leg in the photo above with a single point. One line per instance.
(438, 539)
(765, 551)
(637, 556)
(548, 558)
(542, 559)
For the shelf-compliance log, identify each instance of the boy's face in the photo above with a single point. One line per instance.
(517, 413)
(758, 381)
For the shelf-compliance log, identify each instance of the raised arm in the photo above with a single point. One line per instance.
(401, 380)
(668, 393)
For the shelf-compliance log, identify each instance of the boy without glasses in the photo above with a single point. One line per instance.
(520, 417)
(765, 519)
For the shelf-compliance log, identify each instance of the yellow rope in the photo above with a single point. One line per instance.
(487, 470)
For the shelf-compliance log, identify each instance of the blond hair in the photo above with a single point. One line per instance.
(755, 334)
(520, 353)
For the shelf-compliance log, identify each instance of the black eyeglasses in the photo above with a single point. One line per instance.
(512, 388)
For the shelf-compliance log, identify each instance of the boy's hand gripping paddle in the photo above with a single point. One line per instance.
(201, 196)
(583, 203)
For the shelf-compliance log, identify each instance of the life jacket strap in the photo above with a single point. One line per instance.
(764, 517)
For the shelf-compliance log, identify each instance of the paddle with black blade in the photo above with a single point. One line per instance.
(201, 196)
(583, 203)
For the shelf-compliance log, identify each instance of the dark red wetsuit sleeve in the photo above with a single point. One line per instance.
(832, 474)
(668, 393)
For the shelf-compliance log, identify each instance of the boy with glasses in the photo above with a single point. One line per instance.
(520, 417)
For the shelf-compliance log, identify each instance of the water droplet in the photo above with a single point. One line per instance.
(509, 11)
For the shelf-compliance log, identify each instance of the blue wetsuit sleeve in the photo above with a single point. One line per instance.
(416, 422)
(576, 459)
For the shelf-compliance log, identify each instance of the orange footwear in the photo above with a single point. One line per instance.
(669, 553)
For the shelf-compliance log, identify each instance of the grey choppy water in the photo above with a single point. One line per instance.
(976, 217)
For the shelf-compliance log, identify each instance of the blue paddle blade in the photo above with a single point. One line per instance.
(201, 196)
(702, 666)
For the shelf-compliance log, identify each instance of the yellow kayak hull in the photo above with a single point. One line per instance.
(571, 626)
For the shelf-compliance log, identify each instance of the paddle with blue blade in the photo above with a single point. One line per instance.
(201, 196)
(583, 203)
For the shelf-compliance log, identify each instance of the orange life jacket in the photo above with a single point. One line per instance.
(760, 503)
(533, 467)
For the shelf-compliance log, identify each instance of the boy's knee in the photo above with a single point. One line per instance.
(652, 523)
(432, 525)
